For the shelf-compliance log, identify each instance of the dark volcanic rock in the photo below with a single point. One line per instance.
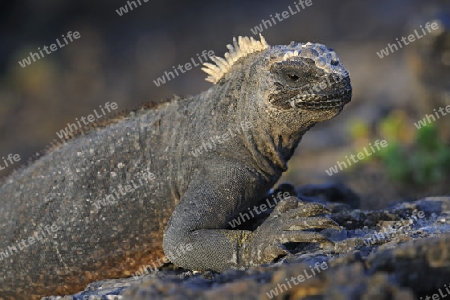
(331, 192)
(402, 252)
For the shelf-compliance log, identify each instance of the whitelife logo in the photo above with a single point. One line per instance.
(35, 56)
(360, 155)
(40, 235)
(265, 24)
(391, 48)
(169, 75)
(64, 134)
(11, 158)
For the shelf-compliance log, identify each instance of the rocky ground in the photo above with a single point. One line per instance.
(400, 252)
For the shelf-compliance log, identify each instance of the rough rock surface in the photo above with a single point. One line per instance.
(401, 252)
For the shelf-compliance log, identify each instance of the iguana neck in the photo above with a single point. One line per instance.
(266, 146)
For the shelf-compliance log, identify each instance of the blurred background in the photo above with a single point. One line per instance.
(118, 57)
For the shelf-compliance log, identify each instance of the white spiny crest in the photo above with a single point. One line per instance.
(240, 48)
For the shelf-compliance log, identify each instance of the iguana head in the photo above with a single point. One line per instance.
(306, 76)
(286, 88)
(309, 77)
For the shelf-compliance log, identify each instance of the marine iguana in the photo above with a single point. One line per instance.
(189, 200)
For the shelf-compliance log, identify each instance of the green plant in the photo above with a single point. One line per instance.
(412, 156)
(431, 160)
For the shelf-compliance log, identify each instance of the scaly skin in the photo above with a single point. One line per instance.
(191, 198)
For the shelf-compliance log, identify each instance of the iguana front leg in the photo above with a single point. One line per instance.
(211, 201)
(284, 225)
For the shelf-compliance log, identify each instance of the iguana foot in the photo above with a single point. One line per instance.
(285, 225)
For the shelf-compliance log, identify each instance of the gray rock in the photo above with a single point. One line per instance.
(401, 252)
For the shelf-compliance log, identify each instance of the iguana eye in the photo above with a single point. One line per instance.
(293, 77)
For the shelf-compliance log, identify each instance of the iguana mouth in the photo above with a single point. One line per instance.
(322, 102)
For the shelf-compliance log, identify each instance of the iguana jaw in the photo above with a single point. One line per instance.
(334, 96)
(321, 102)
